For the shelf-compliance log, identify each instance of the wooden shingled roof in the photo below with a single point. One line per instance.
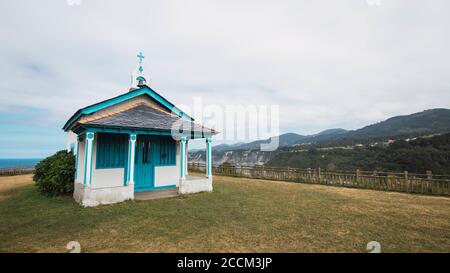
(143, 116)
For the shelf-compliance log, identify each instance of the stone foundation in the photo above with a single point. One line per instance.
(91, 197)
(195, 184)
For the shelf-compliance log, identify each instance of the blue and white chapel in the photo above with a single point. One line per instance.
(133, 144)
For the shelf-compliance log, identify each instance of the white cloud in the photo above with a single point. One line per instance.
(326, 63)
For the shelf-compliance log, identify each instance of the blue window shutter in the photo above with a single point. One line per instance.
(111, 150)
(165, 152)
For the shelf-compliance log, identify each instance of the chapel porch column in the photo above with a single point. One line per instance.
(131, 159)
(183, 158)
(187, 156)
(208, 158)
(89, 147)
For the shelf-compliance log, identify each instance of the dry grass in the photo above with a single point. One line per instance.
(241, 215)
(10, 184)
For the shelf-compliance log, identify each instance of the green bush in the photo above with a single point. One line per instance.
(55, 175)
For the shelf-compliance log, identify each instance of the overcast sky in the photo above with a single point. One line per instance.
(327, 64)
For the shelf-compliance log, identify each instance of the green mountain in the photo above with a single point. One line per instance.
(422, 143)
(284, 140)
(423, 123)
(329, 132)
(416, 156)
(426, 123)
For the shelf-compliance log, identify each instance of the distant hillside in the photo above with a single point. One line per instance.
(326, 135)
(423, 123)
(429, 122)
(336, 131)
(287, 139)
(284, 140)
(416, 156)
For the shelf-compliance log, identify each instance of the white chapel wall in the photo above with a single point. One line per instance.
(114, 177)
(168, 175)
(71, 142)
(105, 178)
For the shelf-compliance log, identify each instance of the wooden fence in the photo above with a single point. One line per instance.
(12, 172)
(383, 181)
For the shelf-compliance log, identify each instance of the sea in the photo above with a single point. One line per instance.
(18, 163)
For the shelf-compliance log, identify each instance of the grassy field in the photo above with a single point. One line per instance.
(241, 215)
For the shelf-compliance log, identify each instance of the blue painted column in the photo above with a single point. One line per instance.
(131, 159)
(187, 151)
(208, 158)
(183, 158)
(89, 147)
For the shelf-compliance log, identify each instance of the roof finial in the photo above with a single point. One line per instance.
(138, 79)
(140, 56)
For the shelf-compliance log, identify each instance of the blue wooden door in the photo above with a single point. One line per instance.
(144, 173)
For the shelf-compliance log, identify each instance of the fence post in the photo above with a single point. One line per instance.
(406, 181)
(402, 182)
(432, 183)
(378, 181)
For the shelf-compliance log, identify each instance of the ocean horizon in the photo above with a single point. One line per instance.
(18, 163)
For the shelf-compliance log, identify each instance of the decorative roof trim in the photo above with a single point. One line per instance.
(83, 128)
(93, 121)
(134, 105)
(132, 94)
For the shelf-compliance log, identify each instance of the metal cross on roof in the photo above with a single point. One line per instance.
(140, 56)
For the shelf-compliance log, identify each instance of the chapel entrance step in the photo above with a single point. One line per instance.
(156, 194)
